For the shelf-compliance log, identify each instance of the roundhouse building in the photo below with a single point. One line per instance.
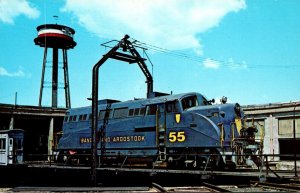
(278, 128)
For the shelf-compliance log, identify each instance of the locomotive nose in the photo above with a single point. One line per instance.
(209, 132)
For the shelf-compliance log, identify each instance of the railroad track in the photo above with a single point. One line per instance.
(155, 187)
(135, 177)
(205, 187)
(291, 187)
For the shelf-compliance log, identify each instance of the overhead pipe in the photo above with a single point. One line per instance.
(95, 107)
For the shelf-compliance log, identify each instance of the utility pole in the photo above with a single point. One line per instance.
(16, 98)
(295, 142)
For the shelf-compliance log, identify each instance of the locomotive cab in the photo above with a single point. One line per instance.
(231, 138)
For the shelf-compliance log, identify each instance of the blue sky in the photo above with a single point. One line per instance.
(245, 50)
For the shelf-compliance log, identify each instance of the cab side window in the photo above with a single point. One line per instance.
(189, 102)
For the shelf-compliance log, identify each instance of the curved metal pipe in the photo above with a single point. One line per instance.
(95, 83)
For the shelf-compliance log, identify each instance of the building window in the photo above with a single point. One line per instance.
(286, 128)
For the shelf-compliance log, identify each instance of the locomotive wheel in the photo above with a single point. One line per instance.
(199, 163)
(59, 158)
(231, 166)
(176, 164)
(216, 162)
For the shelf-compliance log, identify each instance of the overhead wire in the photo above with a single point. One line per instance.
(229, 63)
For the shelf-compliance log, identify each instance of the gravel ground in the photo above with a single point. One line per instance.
(4, 189)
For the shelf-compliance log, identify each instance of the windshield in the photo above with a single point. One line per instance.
(205, 101)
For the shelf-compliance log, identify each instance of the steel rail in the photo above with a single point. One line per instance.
(159, 187)
(214, 187)
(281, 186)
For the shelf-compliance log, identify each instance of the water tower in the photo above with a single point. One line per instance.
(57, 37)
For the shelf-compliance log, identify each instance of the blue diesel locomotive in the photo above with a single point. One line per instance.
(181, 130)
(162, 130)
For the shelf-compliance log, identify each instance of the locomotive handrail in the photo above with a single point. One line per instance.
(232, 134)
(222, 136)
(156, 125)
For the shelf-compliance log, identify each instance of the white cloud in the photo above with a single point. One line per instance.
(209, 63)
(173, 24)
(4, 72)
(9, 9)
(230, 63)
(235, 66)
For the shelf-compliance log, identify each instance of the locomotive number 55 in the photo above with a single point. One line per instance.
(176, 136)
